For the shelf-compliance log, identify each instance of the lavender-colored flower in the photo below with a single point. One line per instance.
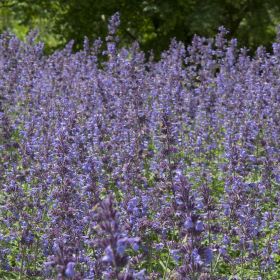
(199, 226)
(69, 271)
(109, 255)
(189, 223)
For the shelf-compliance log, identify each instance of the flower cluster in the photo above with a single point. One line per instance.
(115, 166)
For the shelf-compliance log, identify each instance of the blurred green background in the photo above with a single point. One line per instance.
(152, 22)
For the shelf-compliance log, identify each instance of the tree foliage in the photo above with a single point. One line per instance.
(152, 22)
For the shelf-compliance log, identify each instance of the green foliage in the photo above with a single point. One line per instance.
(153, 23)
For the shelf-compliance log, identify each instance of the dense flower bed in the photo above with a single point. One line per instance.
(115, 167)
